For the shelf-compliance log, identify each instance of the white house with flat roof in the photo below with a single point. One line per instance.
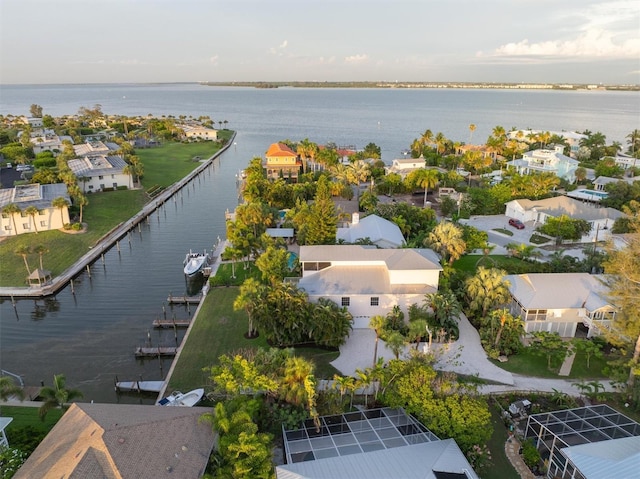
(624, 161)
(49, 217)
(546, 161)
(404, 166)
(49, 142)
(560, 302)
(368, 281)
(601, 219)
(199, 132)
(572, 138)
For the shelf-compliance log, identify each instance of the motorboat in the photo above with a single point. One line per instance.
(194, 262)
(176, 398)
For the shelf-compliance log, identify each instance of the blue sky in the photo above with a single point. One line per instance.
(89, 41)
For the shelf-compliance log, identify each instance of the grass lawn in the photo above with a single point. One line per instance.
(224, 277)
(508, 263)
(220, 330)
(500, 467)
(503, 231)
(528, 364)
(24, 416)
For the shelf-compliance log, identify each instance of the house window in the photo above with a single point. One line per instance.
(23, 214)
(100, 177)
(43, 224)
(346, 301)
(42, 212)
(375, 301)
(115, 186)
(8, 228)
(536, 315)
(25, 226)
(90, 187)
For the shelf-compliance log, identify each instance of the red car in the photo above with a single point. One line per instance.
(516, 223)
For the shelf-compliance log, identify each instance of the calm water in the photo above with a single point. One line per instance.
(91, 336)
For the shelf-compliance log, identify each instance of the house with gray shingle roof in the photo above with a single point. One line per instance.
(368, 281)
(561, 302)
(41, 196)
(97, 168)
(123, 441)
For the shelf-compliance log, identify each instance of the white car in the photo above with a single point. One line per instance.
(9, 165)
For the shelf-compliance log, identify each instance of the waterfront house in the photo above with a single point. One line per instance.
(282, 162)
(623, 161)
(127, 441)
(601, 219)
(572, 138)
(565, 303)
(404, 166)
(199, 132)
(546, 161)
(368, 280)
(483, 149)
(41, 197)
(98, 168)
(382, 233)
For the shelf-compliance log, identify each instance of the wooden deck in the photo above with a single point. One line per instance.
(184, 299)
(171, 323)
(147, 352)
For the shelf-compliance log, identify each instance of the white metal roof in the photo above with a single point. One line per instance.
(613, 458)
(557, 290)
(380, 231)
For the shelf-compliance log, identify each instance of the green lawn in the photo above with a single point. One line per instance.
(163, 166)
(508, 263)
(220, 330)
(500, 467)
(24, 416)
(528, 364)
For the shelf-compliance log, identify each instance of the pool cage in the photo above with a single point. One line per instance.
(571, 427)
(353, 433)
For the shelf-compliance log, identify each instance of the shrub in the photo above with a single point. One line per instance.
(530, 454)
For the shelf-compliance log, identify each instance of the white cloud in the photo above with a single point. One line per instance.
(607, 30)
(279, 49)
(356, 59)
(214, 60)
(283, 44)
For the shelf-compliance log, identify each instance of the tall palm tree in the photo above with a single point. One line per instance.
(58, 396)
(427, 138)
(440, 141)
(377, 323)
(24, 250)
(446, 239)
(32, 211)
(250, 294)
(60, 203)
(41, 250)
(633, 139)
(426, 179)
(10, 210)
(358, 172)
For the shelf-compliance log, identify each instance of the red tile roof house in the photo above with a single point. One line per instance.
(122, 441)
(282, 161)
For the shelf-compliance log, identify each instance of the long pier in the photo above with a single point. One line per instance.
(109, 239)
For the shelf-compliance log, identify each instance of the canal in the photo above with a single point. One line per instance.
(91, 335)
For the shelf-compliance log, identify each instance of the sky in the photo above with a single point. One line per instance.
(137, 41)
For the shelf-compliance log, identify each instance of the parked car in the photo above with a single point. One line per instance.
(516, 223)
(9, 165)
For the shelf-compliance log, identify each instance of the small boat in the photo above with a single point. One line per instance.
(140, 386)
(194, 262)
(176, 398)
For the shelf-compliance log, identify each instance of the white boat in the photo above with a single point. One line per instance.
(140, 386)
(194, 262)
(176, 398)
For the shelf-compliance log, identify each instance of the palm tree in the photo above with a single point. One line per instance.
(58, 396)
(396, 342)
(472, 128)
(357, 172)
(60, 203)
(8, 388)
(249, 296)
(10, 210)
(23, 251)
(633, 139)
(425, 179)
(446, 239)
(427, 138)
(32, 211)
(440, 141)
(487, 289)
(377, 323)
(41, 250)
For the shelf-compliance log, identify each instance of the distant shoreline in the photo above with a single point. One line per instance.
(431, 85)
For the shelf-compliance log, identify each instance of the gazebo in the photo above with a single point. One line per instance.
(39, 277)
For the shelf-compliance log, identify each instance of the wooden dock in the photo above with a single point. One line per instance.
(147, 352)
(171, 323)
(184, 299)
